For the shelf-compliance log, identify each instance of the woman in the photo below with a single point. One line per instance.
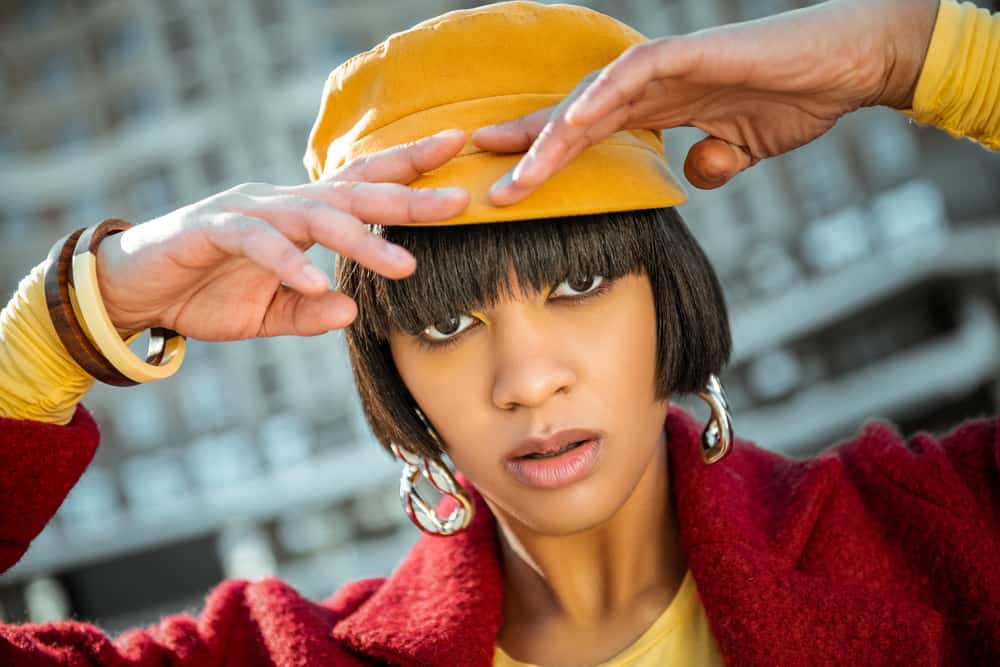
(540, 353)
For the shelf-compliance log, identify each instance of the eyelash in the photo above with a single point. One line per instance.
(605, 285)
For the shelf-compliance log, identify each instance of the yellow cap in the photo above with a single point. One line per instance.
(474, 67)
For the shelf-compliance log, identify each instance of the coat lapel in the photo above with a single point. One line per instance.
(781, 582)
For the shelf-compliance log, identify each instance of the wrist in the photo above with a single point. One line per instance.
(109, 256)
(910, 24)
(116, 363)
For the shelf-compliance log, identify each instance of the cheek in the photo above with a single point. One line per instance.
(444, 385)
(636, 352)
(618, 346)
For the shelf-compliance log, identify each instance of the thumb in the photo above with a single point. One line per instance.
(292, 313)
(712, 162)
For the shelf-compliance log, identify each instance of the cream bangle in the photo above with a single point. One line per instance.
(102, 330)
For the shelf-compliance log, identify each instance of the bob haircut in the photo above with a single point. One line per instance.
(468, 267)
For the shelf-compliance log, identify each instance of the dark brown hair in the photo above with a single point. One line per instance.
(467, 267)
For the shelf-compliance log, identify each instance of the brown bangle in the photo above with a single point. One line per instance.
(70, 333)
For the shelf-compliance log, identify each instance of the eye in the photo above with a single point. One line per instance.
(448, 328)
(577, 285)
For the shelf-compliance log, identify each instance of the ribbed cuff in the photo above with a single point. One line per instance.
(959, 86)
(39, 380)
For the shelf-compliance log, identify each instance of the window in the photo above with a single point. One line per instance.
(153, 193)
(269, 11)
(179, 35)
(132, 105)
(213, 166)
(119, 45)
(57, 73)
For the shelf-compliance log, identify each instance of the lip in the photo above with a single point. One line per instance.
(560, 470)
(555, 471)
(556, 441)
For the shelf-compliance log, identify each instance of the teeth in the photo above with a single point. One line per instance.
(547, 455)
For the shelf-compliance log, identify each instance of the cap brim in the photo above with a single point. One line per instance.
(607, 177)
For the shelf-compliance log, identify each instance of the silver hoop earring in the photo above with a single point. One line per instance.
(717, 438)
(421, 513)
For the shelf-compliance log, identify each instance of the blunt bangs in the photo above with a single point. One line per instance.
(469, 267)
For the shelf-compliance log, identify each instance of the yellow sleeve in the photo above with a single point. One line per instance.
(959, 86)
(39, 380)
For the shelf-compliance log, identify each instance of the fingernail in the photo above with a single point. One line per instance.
(505, 181)
(315, 277)
(449, 192)
(574, 111)
(395, 252)
(521, 167)
(445, 133)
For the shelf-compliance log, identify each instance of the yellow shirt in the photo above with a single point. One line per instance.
(680, 636)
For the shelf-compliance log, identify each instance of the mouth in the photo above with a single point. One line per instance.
(556, 444)
(548, 455)
(563, 458)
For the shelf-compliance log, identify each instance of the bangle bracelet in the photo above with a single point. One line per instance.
(64, 320)
(166, 347)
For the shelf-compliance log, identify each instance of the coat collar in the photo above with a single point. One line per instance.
(788, 567)
(441, 606)
(746, 524)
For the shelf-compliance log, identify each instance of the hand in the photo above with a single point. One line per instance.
(758, 89)
(214, 270)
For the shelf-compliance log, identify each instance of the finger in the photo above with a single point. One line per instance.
(386, 203)
(627, 76)
(506, 191)
(549, 155)
(304, 221)
(245, 236)
(552, 142)
(404, 163)
(712, 162)
(607, 97)
(512, 136)
(293, 314)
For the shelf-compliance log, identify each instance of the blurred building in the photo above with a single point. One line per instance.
(861, 273)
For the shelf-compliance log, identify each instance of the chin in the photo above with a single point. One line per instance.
(577, 508)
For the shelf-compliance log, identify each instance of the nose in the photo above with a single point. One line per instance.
(529, 366)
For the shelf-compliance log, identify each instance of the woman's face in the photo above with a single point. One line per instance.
(579, 356)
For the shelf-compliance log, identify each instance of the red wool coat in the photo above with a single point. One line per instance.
(877, 552)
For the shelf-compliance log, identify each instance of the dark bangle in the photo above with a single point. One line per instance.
(71, 334)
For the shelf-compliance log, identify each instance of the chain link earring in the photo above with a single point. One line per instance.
(717, 438)
(421, 513)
